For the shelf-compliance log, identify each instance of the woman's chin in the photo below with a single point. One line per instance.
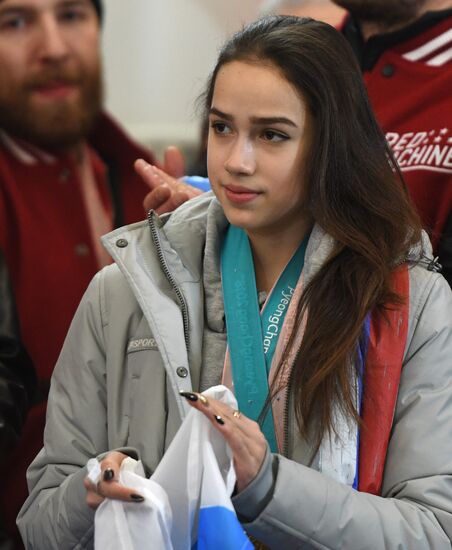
(240, 221)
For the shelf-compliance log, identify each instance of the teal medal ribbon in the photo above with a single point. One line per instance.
(253, 335)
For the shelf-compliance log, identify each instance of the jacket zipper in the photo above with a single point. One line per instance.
(286, 415)
(286, 422)
(166, 271)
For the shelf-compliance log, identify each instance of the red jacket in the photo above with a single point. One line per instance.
(408, 75)
(45, 236)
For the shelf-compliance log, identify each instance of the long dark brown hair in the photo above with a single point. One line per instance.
(356, 194)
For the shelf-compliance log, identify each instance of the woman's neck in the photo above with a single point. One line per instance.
(271, 254)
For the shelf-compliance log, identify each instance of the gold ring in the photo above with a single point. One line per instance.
(203, 399)
(236, 414)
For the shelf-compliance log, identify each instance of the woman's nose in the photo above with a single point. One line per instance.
(241, 159)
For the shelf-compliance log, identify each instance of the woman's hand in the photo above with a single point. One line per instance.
(109, 486)
(244, 436)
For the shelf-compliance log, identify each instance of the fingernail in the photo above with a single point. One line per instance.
(189, 395)
(109, 474)
(219, 420)
(136, 498)
(144, 165)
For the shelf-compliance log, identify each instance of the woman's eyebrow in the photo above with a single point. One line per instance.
(215, 111)
(256, 120)
(272, 120)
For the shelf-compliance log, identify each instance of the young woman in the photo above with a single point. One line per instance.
(344, 376)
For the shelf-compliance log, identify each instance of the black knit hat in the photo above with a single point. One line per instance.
(98, 7)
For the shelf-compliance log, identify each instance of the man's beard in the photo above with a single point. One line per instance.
(382, 12)
(53, 125)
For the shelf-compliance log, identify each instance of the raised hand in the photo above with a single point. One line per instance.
(167, 192)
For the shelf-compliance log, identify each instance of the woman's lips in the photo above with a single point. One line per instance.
(239, 195)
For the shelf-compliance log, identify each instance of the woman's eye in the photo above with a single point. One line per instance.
(221, 128)
(272, 135)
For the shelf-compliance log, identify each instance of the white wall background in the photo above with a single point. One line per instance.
(157, 56)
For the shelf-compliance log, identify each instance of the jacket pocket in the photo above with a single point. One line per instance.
(147, 403)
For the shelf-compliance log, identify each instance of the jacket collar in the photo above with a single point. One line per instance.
(182, 235)
(368, 52)
(25, 152)
(107, 138)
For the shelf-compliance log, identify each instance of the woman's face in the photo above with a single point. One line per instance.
(259, 137)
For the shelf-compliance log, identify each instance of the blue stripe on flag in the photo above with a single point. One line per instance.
(219, 529)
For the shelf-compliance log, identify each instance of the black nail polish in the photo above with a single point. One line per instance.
(136, 498)
(189, 395)
(109, 474)
(219, 420)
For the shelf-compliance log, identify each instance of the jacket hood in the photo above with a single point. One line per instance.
(183, 236)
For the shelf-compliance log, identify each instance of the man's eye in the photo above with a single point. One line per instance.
(16, 22)
(272, 135)
(72, 15)
(221, 128)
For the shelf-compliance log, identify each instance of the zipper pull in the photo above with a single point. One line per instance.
(434, 265)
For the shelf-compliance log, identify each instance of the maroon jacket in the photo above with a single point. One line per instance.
(45, 236)
(408, 74)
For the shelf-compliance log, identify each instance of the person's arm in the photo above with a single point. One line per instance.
(445, 251)
(306, 509)
(17, 376)
(55, 514)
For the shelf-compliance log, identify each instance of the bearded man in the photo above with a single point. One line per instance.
(66, 177)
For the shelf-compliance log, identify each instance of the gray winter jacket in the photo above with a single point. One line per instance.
(137, 339)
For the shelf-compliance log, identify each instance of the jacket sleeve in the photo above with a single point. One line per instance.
(445, 250)
(17, 376)
(308, 510)
(55, 515)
